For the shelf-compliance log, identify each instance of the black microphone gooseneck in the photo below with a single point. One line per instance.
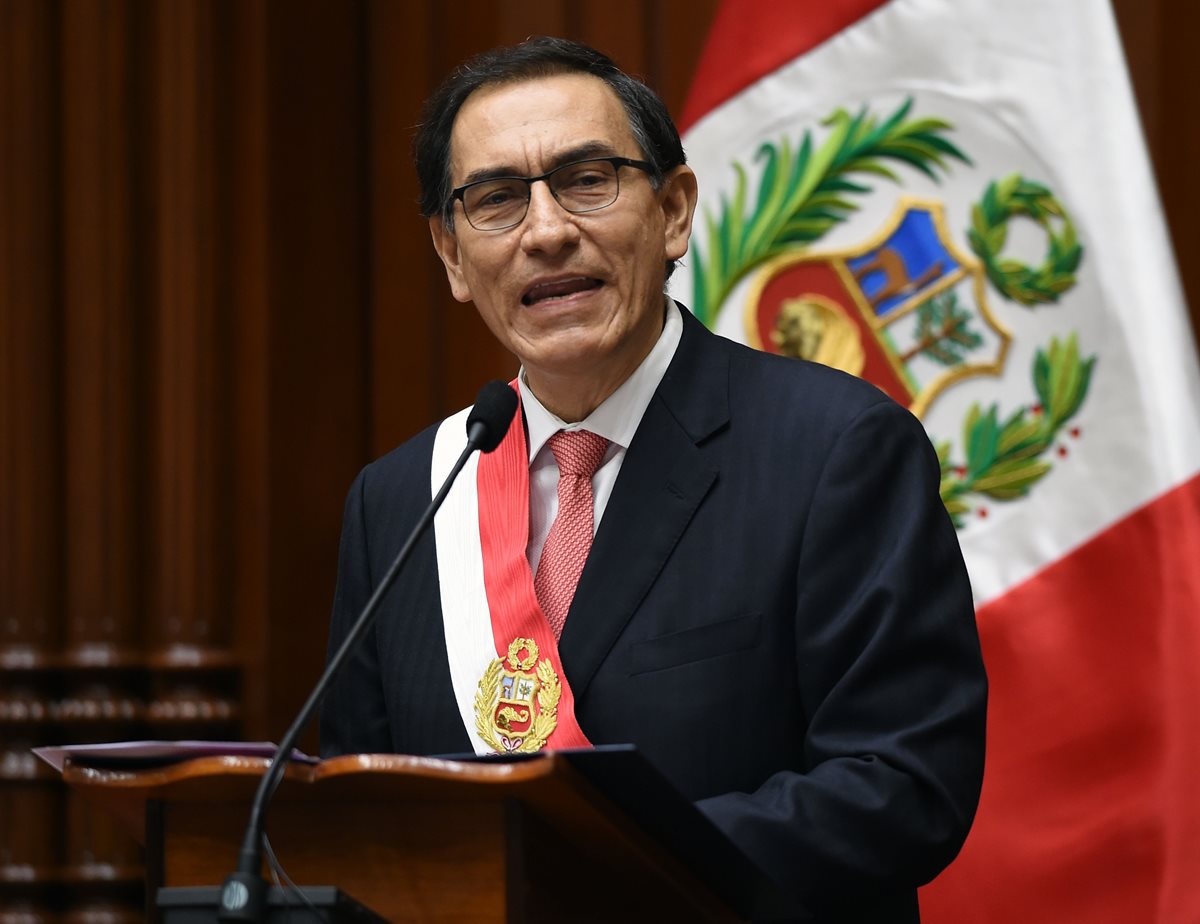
(243, 895)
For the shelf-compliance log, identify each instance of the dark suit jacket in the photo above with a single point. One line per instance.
(775, 611)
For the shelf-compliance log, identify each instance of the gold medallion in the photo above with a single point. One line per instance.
(516, 708)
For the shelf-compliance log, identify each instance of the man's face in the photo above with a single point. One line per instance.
(577, 297)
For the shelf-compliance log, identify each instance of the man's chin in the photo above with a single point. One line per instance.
(563, 361)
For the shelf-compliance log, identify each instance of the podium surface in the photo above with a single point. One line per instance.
(559, 836)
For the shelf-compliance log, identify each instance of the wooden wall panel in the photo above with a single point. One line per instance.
(244, 97)
(30, 399)
(30, 454)
(187, 577)
(678, 31)
(622, 30)
(100, 335)
(183, 196)
(1159, 44)
(406, 279)
(318, 273)
(115, 422)
(517, 20)
(98, 691)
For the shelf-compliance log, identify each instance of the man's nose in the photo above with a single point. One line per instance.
(547, 226)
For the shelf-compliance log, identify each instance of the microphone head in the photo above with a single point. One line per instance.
(493, 412)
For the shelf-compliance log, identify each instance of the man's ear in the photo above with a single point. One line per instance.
(445, 242)
(678, 196)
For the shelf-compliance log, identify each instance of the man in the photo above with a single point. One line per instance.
(773, 607)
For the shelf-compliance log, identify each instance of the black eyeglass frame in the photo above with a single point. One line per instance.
(616, 162)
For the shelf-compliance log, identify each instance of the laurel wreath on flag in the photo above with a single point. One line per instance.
(803, 194)
(1005, 459)
(1013, 196)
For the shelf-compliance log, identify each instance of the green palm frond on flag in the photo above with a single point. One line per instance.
(1005, 458)
(804, 193)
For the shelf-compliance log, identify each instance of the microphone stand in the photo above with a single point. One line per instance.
(244, 893)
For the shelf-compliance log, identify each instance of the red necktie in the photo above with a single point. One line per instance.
(578, 454)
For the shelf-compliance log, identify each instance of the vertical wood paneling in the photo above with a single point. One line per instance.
(620, 30)
(1158, 38)
(405, 275)
(30, 319)
(677, 32)
(30, 453)
(98, 695)
(517, 20)
(99, 335)
(188, 582)
(1176, 145)
(188, 631)
(318, 334)
(243, 96)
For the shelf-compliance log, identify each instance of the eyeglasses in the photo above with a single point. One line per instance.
(584, 186)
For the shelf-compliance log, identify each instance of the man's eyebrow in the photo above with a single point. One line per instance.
(570, 155)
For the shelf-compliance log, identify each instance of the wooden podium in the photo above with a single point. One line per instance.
(578, 836)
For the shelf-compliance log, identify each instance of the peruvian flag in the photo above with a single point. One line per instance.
(952, 198)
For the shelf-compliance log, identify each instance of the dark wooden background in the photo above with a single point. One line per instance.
(216, 303)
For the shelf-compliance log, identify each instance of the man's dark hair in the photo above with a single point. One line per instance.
(649, 120)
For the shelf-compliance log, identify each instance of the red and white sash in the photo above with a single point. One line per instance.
(485, 582)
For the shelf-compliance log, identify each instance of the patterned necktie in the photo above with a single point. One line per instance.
(578, 454)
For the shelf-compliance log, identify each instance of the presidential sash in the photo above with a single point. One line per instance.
(511, 691)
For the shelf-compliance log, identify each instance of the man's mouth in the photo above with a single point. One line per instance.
(558, 288)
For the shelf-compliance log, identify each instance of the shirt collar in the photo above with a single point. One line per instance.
(618, 417)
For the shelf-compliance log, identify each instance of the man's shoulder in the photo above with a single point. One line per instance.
(402, 472)
(773, 378)
(800, 391)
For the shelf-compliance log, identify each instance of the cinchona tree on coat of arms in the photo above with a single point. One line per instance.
(906, 309)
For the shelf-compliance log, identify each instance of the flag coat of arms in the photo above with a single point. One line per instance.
(952, 199)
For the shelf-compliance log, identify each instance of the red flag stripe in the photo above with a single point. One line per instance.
(751, 38)
(1090, 799)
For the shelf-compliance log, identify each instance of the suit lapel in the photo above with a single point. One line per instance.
(665, 476)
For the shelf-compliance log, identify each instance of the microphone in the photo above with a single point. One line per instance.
(243, 895)
(489, 418)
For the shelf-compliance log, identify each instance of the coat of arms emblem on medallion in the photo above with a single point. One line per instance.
(516, 706)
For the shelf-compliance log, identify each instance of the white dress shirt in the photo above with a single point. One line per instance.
(616, 420)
